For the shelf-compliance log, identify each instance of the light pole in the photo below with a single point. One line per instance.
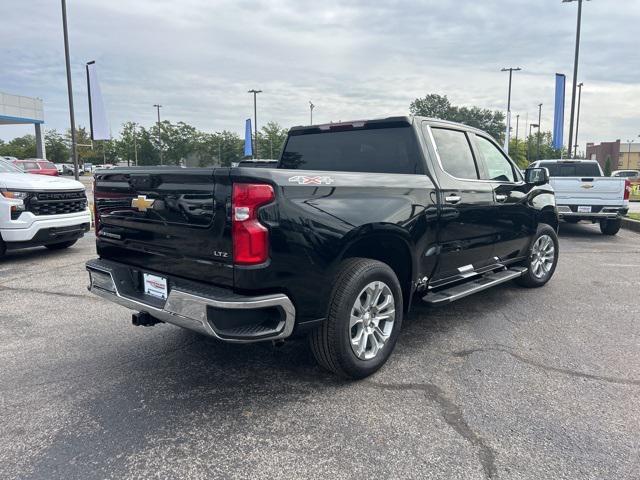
(629, 154)
(72, 118)
(311, 107)
(539, 130)
(517, 128)
(508, 134)
(158, 107)
(575, 70)
(575, 151)
(531, 125)
(255, 120)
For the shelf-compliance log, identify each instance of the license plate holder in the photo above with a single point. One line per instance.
(155, 285)
(584, 209)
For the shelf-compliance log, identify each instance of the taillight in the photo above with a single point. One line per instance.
(250, 237)
(627, 189)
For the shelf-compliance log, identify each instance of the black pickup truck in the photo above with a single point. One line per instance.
(356, 220)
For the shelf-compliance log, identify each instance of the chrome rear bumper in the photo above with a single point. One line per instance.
(605, 212)
(196, 311)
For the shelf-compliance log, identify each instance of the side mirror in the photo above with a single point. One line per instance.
(536, 176)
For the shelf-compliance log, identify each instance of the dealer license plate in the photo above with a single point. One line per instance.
(155, 286)
(586, 209)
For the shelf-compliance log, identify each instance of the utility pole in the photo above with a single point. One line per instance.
(311, 107)
(539, 129)
(531, 125)
(72, 118)
(575, 152)
(255, 121)
(575, 71)
(517, 127)
(158, 107)
(508, 135)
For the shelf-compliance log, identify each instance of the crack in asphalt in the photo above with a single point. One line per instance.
(47, 292)
(566, 371)
(454, 417)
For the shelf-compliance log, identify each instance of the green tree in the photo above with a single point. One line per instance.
(518, 152)
(547, 150)
(20, 147)
(56, 147)
(271, 139)
(439, 106)
(607, 166)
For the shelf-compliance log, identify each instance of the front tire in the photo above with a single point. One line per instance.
(610, 227)
(365, 316)
(542, 258)
(61, 245)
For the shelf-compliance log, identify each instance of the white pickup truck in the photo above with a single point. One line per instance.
(40, 210)
(584, 193)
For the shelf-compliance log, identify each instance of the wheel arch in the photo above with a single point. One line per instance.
(549, 216)
(390, 247)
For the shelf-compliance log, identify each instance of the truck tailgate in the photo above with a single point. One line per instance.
(606, 191)
(166, 220)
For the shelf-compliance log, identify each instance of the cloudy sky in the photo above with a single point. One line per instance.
(353, 59)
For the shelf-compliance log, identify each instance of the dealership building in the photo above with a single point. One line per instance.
(21, 110)
(624, 156)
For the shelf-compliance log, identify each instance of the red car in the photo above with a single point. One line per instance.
(37, 165)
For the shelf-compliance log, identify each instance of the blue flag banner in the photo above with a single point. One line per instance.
(558, 116)
(248, 150)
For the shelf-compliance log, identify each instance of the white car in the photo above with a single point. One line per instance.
(583, 193)
(630, 174)
(40, 210)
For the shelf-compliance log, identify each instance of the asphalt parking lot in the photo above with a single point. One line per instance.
(511, 383)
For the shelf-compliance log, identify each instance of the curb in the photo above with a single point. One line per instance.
(631, 224)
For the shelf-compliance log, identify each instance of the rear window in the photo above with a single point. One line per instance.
(376, 150)
(569, 169)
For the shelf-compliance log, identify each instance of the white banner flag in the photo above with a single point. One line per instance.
(97, 115)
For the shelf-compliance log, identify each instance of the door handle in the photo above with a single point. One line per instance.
(500, 198)
(452, 198)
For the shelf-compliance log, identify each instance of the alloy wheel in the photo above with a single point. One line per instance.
(543, 255)
(372, 320)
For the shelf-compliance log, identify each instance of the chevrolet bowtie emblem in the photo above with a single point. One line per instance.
(588, 185)
(142, 203)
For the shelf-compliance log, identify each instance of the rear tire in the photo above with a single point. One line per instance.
(3, 248)
(364, 320)
(61, 245)
(542, 258)
(610, 227)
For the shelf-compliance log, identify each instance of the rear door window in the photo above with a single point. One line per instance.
(572, 169)
(30, 166)
(455, 153)
(376, 150)
(497, 166)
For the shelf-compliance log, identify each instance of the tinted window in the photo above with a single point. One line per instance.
(46, 165)
(572, 169)
(455, 153)
(29, 166)
(497, 166)
(379, 150)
